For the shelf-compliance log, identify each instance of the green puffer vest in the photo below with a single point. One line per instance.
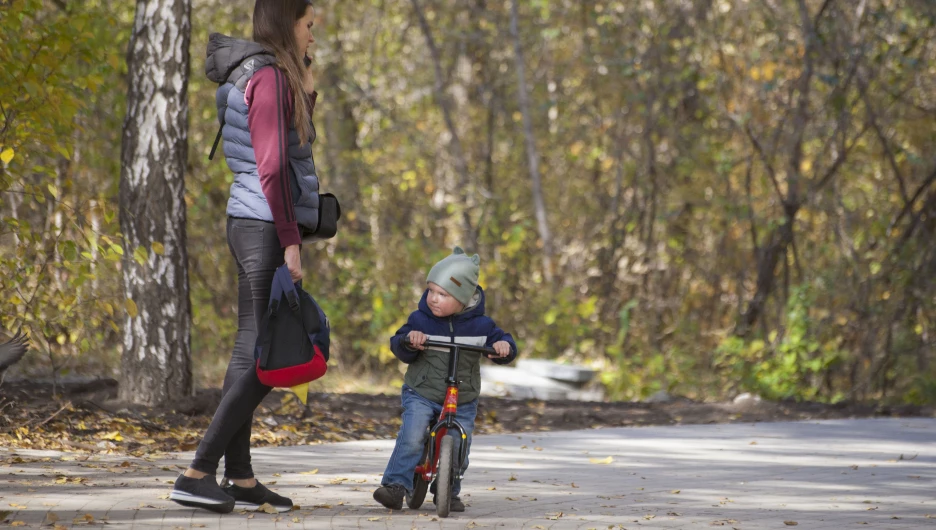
(427, 374)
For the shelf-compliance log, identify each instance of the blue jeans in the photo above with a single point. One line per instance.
(418, 412)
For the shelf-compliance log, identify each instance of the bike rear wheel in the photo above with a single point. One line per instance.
(420, 485)
(446, 476)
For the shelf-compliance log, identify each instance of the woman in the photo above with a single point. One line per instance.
(265, 107)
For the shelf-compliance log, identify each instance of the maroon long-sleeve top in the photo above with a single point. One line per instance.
(269, 116)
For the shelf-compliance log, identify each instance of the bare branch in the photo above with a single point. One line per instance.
(766, 161)
(908, 206)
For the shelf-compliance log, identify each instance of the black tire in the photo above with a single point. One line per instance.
(445, 478)
(420, 486)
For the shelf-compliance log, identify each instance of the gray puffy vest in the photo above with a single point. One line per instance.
(232, 62)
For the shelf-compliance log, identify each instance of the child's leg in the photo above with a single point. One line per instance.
(417, 414)
(466, 416)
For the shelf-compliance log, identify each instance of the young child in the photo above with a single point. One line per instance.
(451, 310)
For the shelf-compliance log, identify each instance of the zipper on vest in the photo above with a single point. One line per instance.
(452, 328)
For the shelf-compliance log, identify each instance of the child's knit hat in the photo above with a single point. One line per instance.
(457, 274)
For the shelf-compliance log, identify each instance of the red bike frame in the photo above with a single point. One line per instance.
(428, 467)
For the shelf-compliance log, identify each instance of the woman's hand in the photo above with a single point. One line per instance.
(293, 262)
(308, 78)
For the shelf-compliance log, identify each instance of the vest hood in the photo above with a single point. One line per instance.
(227, 53)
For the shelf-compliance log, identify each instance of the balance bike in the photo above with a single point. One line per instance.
(439, 460)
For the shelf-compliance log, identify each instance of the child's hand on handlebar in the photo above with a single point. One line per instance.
(502, 348)
(417, 339)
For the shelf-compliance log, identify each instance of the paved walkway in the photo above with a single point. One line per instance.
(815, 475)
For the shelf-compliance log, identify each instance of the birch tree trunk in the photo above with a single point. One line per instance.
(156, 362)
(539, 206)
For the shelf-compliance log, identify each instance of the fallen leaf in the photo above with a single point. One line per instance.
(511, 499)
(573, 485)
(492, 488)
(538, 448)
(267, 508)
(512, 478)
(296, 520)
(790, 523)
(313, 472)
(17, 523)
(753, 443)
(277, 475)
(649, 516)
(601, 460)
(374, 518)
(50, 518)
(675, 492)
(114, 435)
(854, 467)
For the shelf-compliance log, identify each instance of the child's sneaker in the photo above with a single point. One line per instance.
(201, 493)
(456, 505)
(390, 496)
(251, 499)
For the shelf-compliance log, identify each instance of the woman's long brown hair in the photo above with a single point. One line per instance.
(273, 23)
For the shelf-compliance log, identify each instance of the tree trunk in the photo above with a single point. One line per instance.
(156, 362)
(767, 260)
(470, 237)
(532, 154)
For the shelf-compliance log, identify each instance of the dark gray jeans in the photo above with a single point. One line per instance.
(257, 252)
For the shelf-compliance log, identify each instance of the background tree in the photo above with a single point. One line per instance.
(156, 359)
(739, 195)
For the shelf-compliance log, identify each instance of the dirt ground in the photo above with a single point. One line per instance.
(86, 417)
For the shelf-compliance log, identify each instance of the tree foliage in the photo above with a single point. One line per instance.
(739, 195)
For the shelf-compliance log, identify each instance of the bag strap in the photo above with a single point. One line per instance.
(214, 147)
(281, 281)
(265, 338)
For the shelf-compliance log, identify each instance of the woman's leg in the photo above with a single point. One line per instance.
(256, 250)
(235, 411)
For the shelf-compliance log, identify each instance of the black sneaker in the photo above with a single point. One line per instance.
(251, 499)
(456, 505)
(390, 496)
(201, 493)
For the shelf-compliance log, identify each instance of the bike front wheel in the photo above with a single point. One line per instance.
(446, 476)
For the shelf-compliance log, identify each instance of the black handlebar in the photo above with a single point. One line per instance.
(487, 352)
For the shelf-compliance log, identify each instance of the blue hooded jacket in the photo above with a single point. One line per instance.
(428, 369)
